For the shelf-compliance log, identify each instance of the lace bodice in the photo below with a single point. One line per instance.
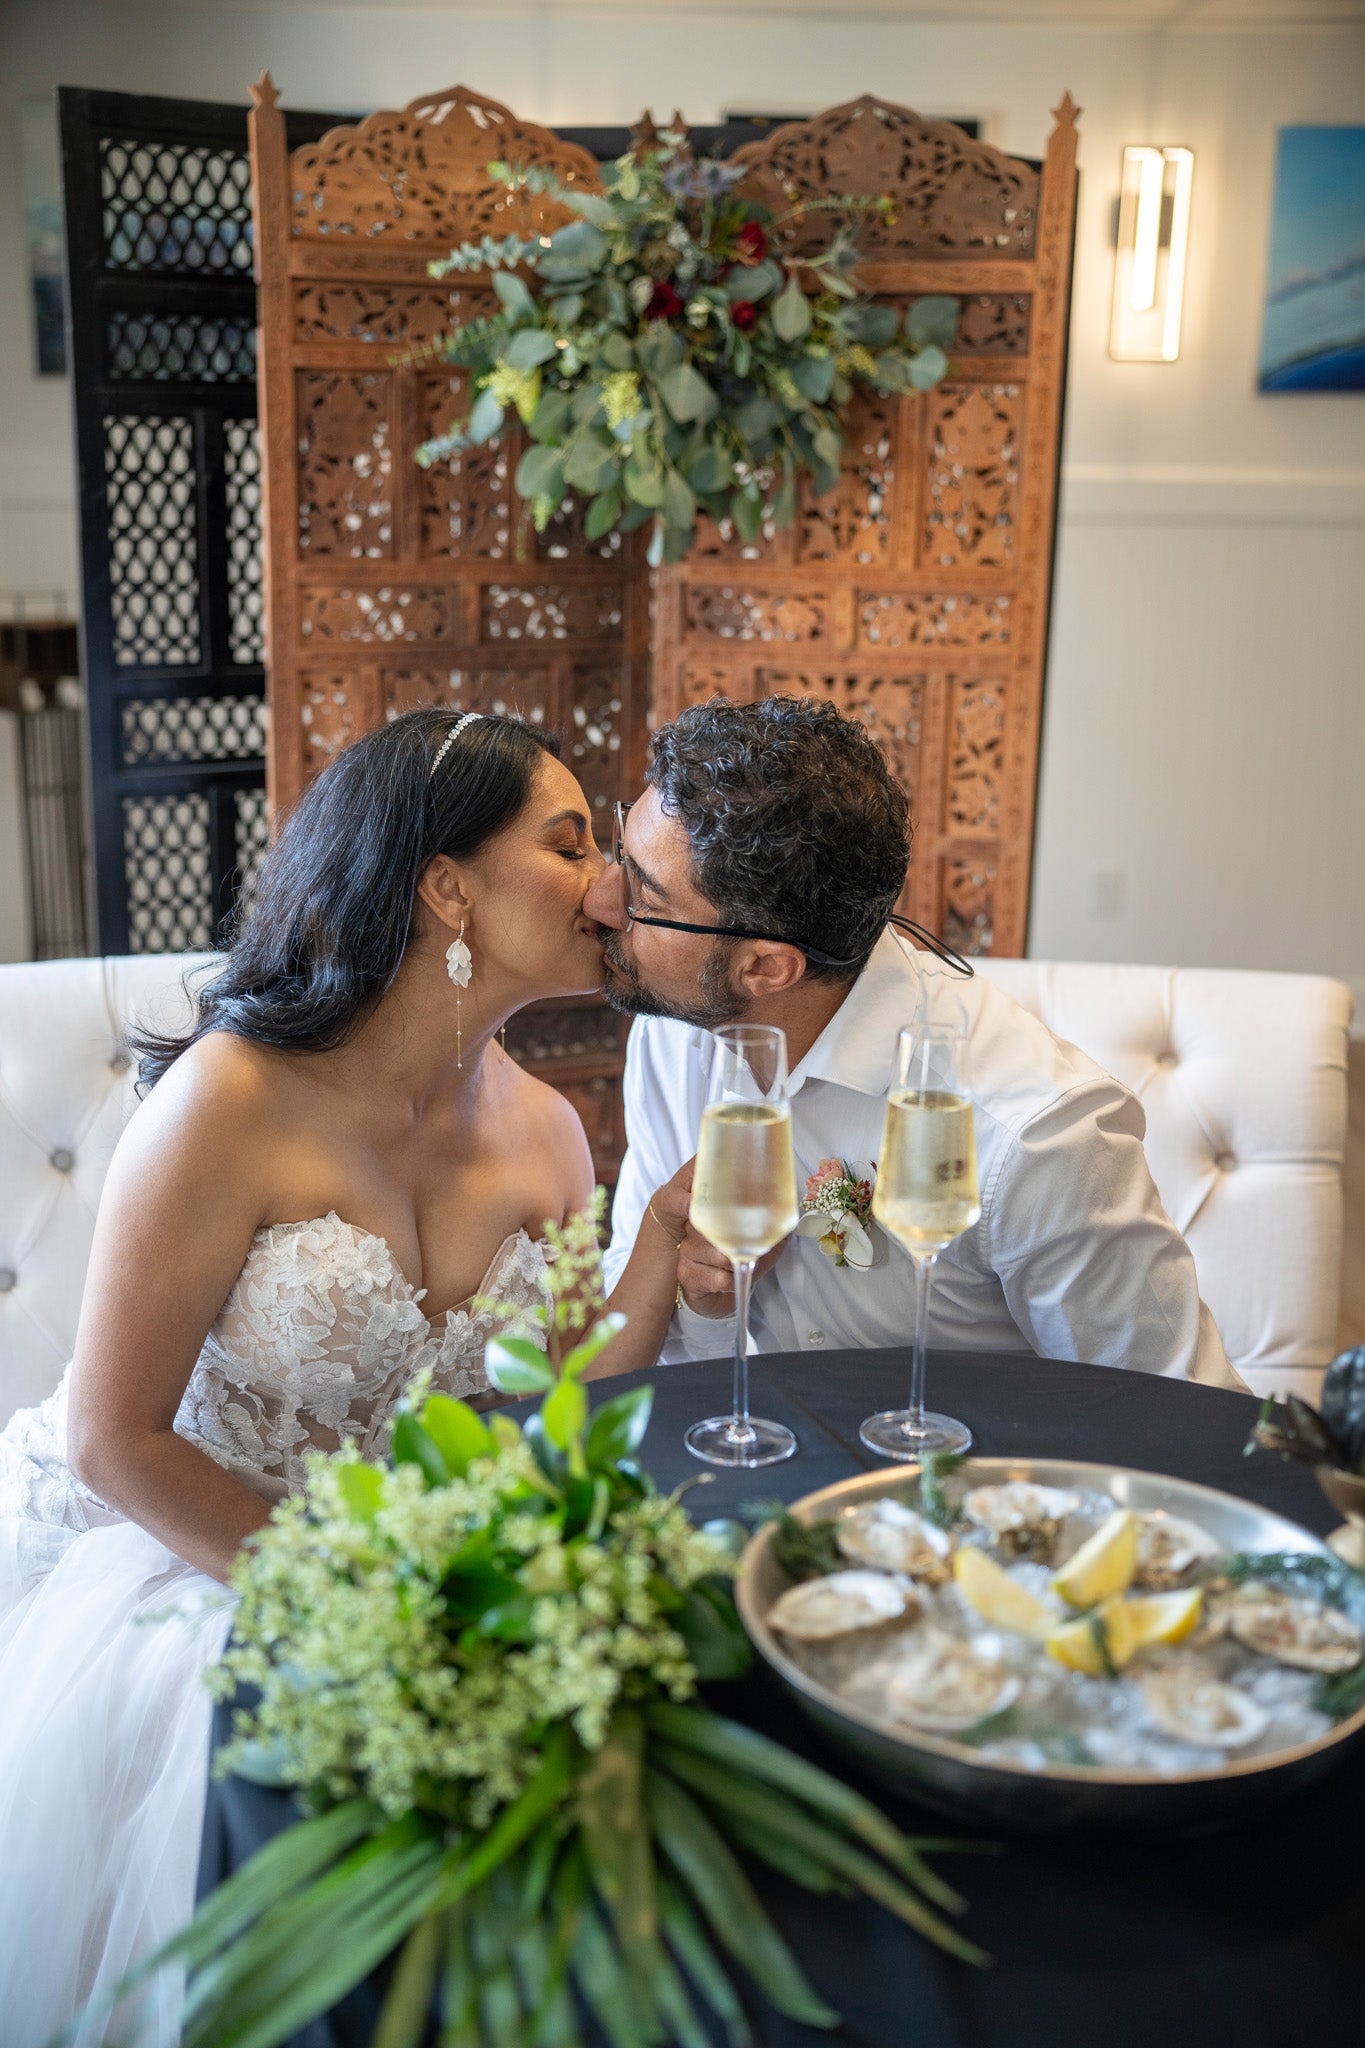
(314, 1345)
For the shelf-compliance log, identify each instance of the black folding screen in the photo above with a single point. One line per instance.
(161, 312)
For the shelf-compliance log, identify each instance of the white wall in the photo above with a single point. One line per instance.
(1205, 731)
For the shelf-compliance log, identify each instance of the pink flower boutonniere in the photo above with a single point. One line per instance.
(838, 1210)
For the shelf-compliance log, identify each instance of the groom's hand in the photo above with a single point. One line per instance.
(707, 1278)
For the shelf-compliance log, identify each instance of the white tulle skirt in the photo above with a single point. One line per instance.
(105, 1637)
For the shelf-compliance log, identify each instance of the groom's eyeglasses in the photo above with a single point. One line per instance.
(672, 924)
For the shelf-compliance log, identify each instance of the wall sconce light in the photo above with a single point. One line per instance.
(1149, 269)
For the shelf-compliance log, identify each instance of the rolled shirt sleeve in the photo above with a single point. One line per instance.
(1091, 1265)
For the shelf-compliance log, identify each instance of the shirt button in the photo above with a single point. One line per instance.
(817, 1337)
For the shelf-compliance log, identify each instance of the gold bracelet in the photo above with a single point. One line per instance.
(663, 1226)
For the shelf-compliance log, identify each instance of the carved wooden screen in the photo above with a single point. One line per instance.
(387, 585)
(915, 594)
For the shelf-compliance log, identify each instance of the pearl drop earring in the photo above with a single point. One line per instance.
(460, 967)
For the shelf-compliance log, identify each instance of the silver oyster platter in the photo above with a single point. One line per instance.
(1053, 1797)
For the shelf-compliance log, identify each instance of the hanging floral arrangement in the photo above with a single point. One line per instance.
(670, 360)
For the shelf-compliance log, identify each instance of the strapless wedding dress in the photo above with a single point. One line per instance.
(105, 1634)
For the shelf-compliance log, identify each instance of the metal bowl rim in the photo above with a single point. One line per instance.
(876, 1483)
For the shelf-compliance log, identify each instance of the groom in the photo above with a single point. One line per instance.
(754, 881)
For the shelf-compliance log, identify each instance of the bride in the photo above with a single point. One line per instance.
(327, 1169)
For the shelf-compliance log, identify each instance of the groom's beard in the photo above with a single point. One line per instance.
(716, 1001)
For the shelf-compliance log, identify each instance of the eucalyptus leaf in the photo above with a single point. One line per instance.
(687, 394)
(590, 462)
(828, 446)
(551, 417)
(659, 350)
(934, 319)
(813, 377)
(875, 325)
(680, 505)
(486, 416)
(567, 308)
(602, 514)
(791, 314)
(514, 294)
(654, 553)
(617, 352)
(644, 482)
(756, 418)
(746, 509)
(710, 469)
(581, 243)
(929, 367)
(784, 499)
(529, 347)
(540, 473)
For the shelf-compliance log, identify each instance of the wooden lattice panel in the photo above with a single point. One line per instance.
(388, 585)
(914, 594)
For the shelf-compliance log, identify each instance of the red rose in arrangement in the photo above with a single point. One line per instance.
(751, 244)
(664, 303)
(744, 315)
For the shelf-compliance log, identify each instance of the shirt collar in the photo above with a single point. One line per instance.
(857, 1048)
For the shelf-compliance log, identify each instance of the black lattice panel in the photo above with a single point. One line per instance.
(242, 478)
(173, 206)
(167, 872)
(153, 541)
(194, 348)
(253, 840)
(192, 729)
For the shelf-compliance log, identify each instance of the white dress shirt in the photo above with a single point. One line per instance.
(1073, 1257)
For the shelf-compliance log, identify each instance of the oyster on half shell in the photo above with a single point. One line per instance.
(891, 1537)
(1168, 1548)
(1292, 1631)
(1183, 1703)
(1020, 1518)
(818, 1610)
(944, 1684)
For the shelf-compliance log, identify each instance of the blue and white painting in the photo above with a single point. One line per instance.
(1313, 338)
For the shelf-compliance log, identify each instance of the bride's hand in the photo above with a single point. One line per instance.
(669, 1204)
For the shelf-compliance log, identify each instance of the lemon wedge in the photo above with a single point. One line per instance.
(1164, 1617)
(1100, 1644)
(1103, 1565)
(997, 1597)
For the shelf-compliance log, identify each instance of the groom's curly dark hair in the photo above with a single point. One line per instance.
(796, 823)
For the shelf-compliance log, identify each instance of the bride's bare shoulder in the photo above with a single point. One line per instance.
(225, 1085)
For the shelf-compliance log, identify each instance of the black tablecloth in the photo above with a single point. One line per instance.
(1253, 1938)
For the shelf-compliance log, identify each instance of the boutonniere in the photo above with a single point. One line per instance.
(838, 1210)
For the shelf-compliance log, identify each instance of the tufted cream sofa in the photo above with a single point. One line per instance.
(1242, 1077)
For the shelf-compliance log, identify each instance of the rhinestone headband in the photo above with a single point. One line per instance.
(448, 742)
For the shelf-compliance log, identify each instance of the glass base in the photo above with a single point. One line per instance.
(724, 1440)
(893, 1435)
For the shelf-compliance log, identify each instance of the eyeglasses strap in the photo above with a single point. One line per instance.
(939, 946)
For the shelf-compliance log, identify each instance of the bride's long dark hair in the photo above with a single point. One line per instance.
(333, 909)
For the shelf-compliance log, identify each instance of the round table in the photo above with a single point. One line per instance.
(1253, 1938)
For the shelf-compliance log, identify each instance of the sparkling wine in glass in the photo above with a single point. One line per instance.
(926, 1195)
(744, 1202)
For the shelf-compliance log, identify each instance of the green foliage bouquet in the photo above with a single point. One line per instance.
(670, 360)
(479, 1668)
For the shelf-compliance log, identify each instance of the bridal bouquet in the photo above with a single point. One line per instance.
(670, 360)
(480, 1668)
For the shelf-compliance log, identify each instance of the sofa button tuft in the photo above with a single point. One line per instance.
(8, 1279)
(121, 1061)
(63, 1159)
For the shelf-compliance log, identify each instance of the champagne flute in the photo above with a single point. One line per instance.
(744, 1202)
(926, 1195)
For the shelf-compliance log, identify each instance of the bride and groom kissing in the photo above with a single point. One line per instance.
(337, 1166)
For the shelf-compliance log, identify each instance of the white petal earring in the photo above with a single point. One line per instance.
(460, 967)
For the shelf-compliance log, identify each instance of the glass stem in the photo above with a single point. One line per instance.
(924, 1272)
(744, 1280)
